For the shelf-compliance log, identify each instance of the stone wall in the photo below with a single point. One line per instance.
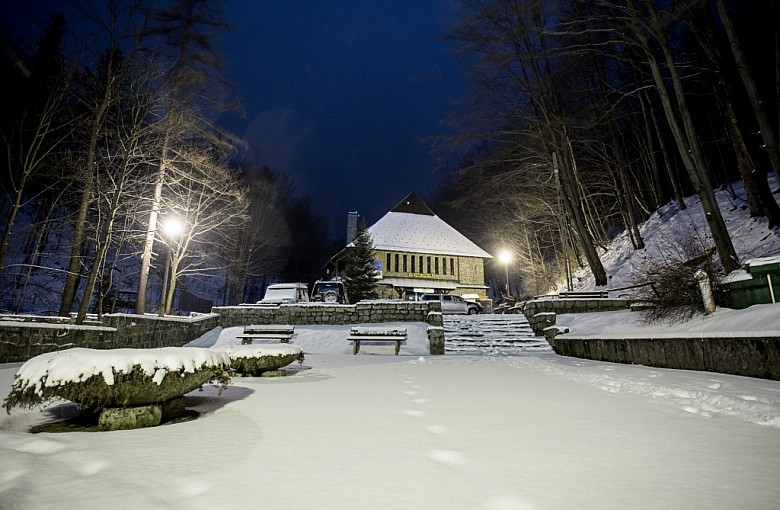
(328, 314)
(750, 356)
(544, 307)
(22, 338)
(323, 313)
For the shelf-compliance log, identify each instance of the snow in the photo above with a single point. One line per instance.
(374, 430)
(535, 431)
(421, 233)
(670, 231)
(74, 365)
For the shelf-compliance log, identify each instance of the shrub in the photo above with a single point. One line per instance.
(668, 285)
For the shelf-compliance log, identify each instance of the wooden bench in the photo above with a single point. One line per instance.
(376, 334)
(281, 334)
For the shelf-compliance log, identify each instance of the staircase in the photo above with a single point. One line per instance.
(501, 334)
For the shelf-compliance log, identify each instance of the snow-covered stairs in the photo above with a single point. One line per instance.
(490, 334)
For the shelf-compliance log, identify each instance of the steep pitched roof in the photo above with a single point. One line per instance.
(412, 226)
(412, 204)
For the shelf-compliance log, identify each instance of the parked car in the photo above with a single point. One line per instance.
(329, 291)
(453, 304)
(285, 294)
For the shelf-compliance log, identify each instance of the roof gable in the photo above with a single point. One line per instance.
(421, 233)
(412, 204)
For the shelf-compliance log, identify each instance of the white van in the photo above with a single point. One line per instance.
(285, 294)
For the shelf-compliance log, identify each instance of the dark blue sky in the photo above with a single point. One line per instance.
(344, 96)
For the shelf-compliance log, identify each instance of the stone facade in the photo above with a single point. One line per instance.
(467, 274)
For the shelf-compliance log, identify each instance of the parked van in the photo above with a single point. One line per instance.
(285, 294)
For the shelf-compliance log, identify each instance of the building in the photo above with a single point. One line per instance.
(415, 252)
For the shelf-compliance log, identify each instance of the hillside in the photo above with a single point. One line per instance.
(670, 230)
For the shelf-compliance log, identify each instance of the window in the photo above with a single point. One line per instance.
(413, 259)
(452, 266)
(396, 263)
(405, 268)
(387, 265)
(428, 263)
(421, 264)
(436, 264)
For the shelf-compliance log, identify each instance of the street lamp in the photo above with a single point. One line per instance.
(172, 227)
(505, 256)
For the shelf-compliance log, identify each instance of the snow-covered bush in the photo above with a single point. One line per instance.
(668, 284)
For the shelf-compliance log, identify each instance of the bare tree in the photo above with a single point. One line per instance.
(128, 137)
(518, 79)
(205, 197)
(258, 246)
(188, 29)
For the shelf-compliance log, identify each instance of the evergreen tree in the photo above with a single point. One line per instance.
(359, 272)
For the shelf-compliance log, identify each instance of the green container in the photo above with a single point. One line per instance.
(744, 293)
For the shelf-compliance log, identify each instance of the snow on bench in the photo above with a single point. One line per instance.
(376, 334)
(283, 334)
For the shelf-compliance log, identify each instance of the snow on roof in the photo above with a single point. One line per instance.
(421, 233)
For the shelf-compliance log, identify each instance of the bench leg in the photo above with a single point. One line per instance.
(397, 347)
(246, 341)
(356, 347)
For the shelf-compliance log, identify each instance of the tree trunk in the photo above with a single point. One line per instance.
(688, 147)
(765, 125)
(79, 226)
(574, 211)
(151, 231)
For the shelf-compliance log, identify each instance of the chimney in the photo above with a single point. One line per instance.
(352, 224)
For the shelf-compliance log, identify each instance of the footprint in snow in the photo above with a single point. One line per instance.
(447, 457)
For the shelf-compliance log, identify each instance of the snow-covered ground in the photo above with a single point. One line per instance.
(537, 431)
(534, 431)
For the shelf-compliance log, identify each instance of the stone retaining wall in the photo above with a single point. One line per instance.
(22, 338)
(321, 313)
(750, 356)
(327, 314)
(537, 311)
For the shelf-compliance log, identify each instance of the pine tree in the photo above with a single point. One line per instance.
(359, 272)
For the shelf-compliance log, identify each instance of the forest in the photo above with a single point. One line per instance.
(119, 189)
(117, 182)
(586, 116)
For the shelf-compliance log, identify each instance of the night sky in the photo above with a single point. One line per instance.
(344, 96)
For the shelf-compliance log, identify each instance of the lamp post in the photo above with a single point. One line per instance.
(505, 256)
(172, 227)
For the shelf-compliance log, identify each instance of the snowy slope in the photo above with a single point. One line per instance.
(669, 229)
